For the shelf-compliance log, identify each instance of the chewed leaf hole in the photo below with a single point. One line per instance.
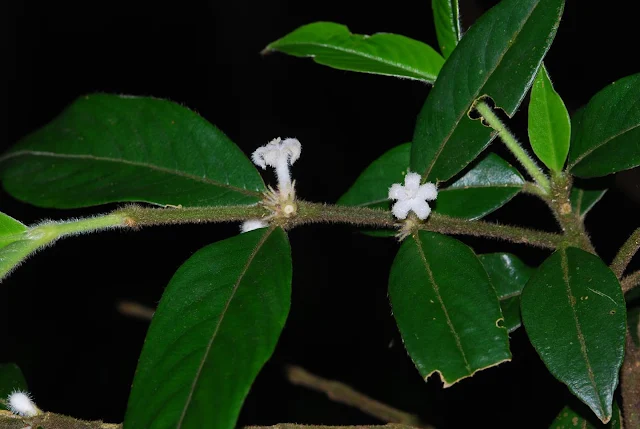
(500, 323)
(474, 115)
(612, 312)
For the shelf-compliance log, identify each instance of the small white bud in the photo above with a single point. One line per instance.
(20, 403)
(412, 197)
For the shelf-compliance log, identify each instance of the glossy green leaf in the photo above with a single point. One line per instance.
(572, 419)
(574, 313)
(11, 379)
(333, 45)
(608, 137)
(446, 309)
(549, 123)
(446, 16)
(497, 57)
(508, 274)
(109, 148)
(10, 230)
(217, 324)
(583, 200)
(487, 186)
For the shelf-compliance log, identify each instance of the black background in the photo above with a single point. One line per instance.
(58, 311)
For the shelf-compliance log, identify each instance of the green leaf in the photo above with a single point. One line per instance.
(497, 57)
(487, 186)
(549, 123)
(583, 200)
(10, 230)
(608, 137)
(109, 148)
(574, 313)
(217, 324)
(446, 16)
(446, 309)
(11, 379)
(333, 45)
(508, 274)
(15, 253)
(572, 419)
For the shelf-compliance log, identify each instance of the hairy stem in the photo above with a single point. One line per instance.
(630, 281)
(630, 380)
(625, 254)
(512, 144)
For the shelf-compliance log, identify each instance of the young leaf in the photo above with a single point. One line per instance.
(483, 189)
(574, 313)
(11, 379)
(446, 309)
(10, 230)
(570, 418)
(333, 45)
(549, 123)
(608, 137)
(16, 252)
(217, 324)
(583, 200)
(446, 16)
(497, 57)
(508, 274)
(110, 148)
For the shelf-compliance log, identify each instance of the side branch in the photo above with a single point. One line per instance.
(630, 281)
(625, 254)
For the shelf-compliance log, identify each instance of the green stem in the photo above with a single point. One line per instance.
(512, 144)
(625, 254)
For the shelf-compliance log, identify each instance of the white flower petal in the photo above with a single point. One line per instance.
(397, 192)
(252, 224)
(293, 148)
(428, 191)
(412, 181)
(401, 209)
(420, 208)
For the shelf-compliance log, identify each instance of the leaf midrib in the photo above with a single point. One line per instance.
(428, 78)
(131, 163)
(475, 97)
(604, 142)
(244, 270)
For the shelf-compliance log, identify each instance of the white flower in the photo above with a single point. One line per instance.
(279, 155)
(412, 197)
(252, 224)
(20, 403)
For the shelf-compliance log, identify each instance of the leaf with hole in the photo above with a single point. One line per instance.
(333, 45)
(446, 309)
(498, 57)
(446, 17)
(607, 138)
(508, 274)
(549, 123)
(217, 324)
(574, 313)
(110, 148)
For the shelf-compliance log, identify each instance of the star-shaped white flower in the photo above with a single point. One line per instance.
(279, 154)
(412, 197)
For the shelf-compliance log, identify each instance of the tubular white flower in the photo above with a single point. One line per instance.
(21, 404)
(252, 224)
(279, 154)
(412, 197)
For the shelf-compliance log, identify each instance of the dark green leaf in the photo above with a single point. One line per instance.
(508, 274)
(583, 200)
(217, 324)
(446, 16)
(108, 148)
(608, 137)
(10, 230)
(489, 185)
(11, 379)
(572, 419)
(484, 188)
(333, 45)
(446, 309)
(497, 57)
(549, 123)
(574, 313)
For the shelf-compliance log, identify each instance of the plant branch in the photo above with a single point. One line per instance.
(512, 144)
(625, 254)
(630, 281)
(343, 394)
(630, 380)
